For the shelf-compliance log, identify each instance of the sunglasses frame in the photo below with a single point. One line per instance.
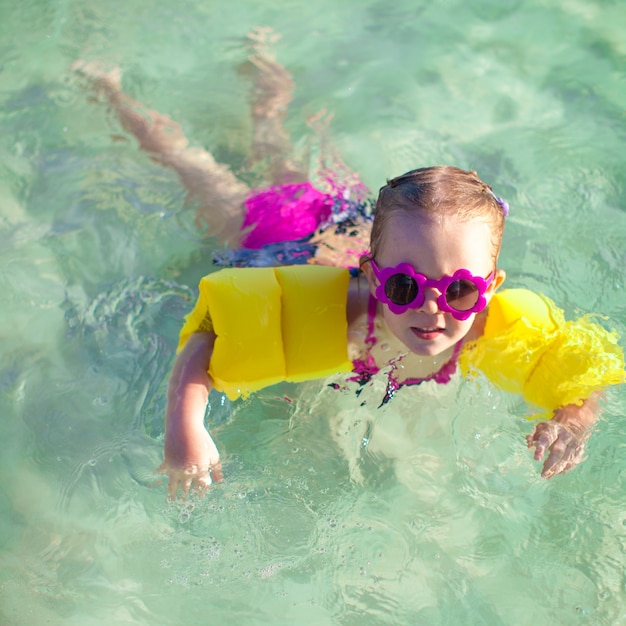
(424, 283)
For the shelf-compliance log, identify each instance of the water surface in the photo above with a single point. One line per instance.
(443, 518)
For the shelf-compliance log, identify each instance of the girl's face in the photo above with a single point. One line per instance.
(434, 247)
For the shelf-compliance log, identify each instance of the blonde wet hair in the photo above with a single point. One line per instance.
(435, 192)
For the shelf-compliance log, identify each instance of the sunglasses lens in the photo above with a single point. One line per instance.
(401, 289)
(462, 295)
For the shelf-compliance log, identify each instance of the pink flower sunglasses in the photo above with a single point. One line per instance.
(402, 288)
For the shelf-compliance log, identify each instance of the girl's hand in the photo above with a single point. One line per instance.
(565, 436)
(565, 444)
(191, 461)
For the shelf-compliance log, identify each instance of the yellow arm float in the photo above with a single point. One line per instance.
(272, 324)
(528, 348)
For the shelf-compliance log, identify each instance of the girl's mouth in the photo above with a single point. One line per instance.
(427, 334)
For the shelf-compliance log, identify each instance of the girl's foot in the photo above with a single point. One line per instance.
(103, 80)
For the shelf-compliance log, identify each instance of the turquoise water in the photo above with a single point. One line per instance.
(443, 518)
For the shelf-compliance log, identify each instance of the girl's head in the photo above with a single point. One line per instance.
(437, 226)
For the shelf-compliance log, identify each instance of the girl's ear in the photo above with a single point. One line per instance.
(497, 281)
(366, 268)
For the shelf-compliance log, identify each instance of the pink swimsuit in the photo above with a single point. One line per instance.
(364, 369)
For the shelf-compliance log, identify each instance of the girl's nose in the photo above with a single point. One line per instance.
(430, 301)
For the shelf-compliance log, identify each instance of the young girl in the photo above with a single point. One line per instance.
(423, 305)
(419, 306)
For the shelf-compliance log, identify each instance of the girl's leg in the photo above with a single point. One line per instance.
(271, 95)
(219, 194)
(156, 133)
(272, 92)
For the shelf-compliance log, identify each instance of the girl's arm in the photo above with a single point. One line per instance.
(565, 436)
(190, 454)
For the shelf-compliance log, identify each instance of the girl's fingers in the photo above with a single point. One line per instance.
(216, 473)
(172, 487)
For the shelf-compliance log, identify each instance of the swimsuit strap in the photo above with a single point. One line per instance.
(365, 368)
(372, 305)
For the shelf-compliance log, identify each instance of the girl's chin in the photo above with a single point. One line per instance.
(430, 351)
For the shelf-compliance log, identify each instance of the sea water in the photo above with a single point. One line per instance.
(429, 510)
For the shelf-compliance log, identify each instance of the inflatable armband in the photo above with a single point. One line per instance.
(528, 347)
(511, 305)
(272, 324)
